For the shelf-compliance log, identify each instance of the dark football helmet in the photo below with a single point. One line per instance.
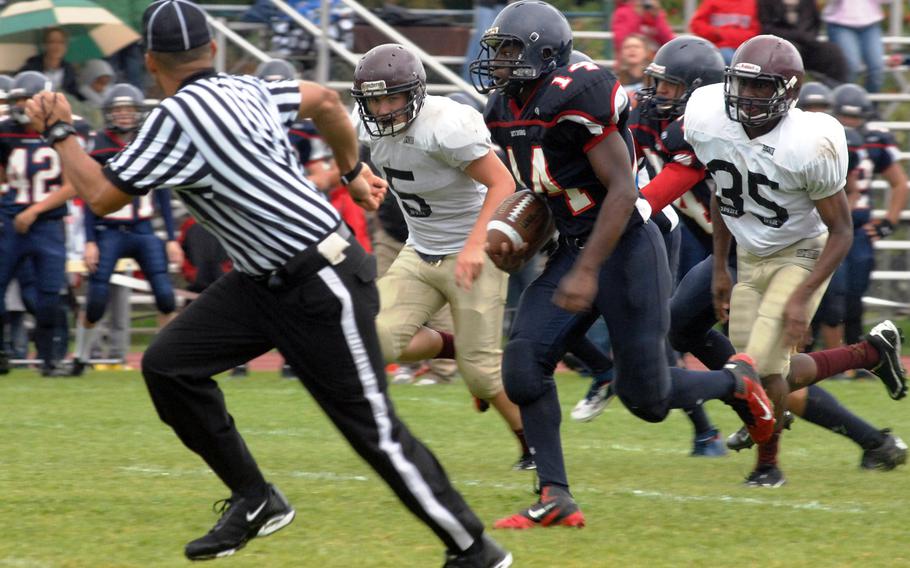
(123, 108)
(541, 38)
(26, 85)
(687, 60)
(6, 83)
(387, 70)
(763, 59)
(276, 70)
(852, 100)
(815, 95)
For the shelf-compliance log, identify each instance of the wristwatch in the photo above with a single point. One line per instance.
(58, 132)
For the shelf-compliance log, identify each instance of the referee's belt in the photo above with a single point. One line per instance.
(336, 248)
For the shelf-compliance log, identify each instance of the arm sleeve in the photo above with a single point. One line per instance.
(161, 156)
(827, 173)
(462, 139)
(889, 154)
(588, 118)
(163, 197)
(286, 96)
(671, 183)
(88, 221)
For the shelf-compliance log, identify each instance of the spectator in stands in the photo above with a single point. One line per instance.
(95, 81)
(640, 17)
(636, 53)
(726, 23)
(856, 26)
(51, 61)
(799, 22)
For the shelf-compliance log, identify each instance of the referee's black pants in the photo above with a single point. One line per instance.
(322, 321)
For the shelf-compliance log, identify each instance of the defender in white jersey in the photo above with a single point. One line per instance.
(780, 176)
(437, 156)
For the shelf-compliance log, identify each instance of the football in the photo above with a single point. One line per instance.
(523, 218)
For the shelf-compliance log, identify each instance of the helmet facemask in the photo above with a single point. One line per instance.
(504, 64)
(755, 111)
(123, 116)
(390, 123)
(659, 107)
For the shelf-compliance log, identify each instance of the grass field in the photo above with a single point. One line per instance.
(90, 478)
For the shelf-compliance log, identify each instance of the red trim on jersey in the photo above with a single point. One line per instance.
(104, 150)
(303, 134)
(117, 140)
(673, 181)
(589, 145)
(517, 110)
(23, 135)
(878, 145)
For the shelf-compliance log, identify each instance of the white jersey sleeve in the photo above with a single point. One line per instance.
(827, 173)
(462, 137)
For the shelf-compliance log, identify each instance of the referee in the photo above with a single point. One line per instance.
(301, 284)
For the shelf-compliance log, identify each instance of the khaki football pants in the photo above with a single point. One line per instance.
(413, 290)
(764, 285)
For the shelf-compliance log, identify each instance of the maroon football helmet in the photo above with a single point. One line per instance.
(386, 70)
(763, 59)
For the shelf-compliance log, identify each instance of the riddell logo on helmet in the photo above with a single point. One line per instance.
(492, 31)
(748, 68)
(657, 69)
(374, 87)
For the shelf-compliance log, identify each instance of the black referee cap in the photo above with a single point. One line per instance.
(174, 25)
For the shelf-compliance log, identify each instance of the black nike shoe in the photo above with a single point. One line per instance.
(54, 371)
(239, 371)
(4, 363)
(77, 368)
(890, 454)
(287, 372)
(241, 520)
(525, 463)
(887, 338)
(766, 476)
(490, 555)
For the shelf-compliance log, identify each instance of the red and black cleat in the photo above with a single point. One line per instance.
(749, 399)
(555, 508)
(480, 405)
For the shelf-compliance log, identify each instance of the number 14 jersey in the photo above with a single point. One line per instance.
(766, 187)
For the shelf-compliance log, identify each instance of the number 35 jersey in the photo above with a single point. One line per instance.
(33, 169)
(766, 187)
(424, 166)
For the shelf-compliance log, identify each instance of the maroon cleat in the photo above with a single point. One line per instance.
(749, 399)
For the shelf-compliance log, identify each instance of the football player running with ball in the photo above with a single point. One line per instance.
(437, 157)
(563, 127)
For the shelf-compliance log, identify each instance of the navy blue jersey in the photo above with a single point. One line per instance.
(307, 142)
(105, 145)
(570, 111)
(661, 142)
(858, 161)
(881, 147)
(33, 169)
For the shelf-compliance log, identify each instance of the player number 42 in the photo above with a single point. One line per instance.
(577, 199)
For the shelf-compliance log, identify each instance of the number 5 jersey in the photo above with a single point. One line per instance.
(424, 166)
(766, 187)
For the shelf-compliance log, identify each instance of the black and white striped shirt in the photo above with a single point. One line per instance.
(221, 144)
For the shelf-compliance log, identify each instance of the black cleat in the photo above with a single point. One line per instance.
(740, 440)
(525, 463)
(239, 371)
(54, 371)
(890, 454)
(490, 555)
(4, 363)
(887, 339)
(287, 372)
(766, 476)
(77, 368)
(241, 520)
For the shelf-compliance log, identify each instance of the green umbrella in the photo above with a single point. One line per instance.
(93, 31)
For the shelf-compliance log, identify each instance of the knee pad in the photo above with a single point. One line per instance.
(96, 303)
(164, 293)
(523, 377)
(643, 406)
